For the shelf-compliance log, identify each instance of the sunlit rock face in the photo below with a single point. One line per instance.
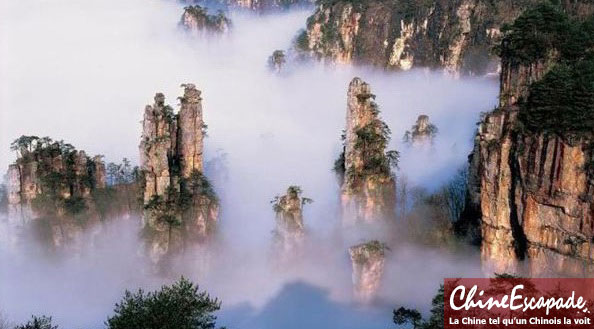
(455, 36)
(368, 186)
(289, 232)
(51, 185)
(368, 268)
(422, 133)
(198, 21)
(180, 204)
(530, 193)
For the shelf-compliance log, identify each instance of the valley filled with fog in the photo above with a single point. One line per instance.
(82, 71)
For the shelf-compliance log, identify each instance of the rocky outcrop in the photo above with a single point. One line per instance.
(290, 229)
(364, 167)
(423, 132)
(456, 36)
(277, 61)
(51, 178)
(368, 268)
(198, 21)
(180, 204)
(530, 189)
(52, 190)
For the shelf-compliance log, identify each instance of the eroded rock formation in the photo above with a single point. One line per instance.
(54, 183)
(180, 204)
(197, 20)
(421, 133)
(277, 61)
(290, 230)
(367, 184)
(51, 178)
(368, 268)
(456, 36)
(531, 192)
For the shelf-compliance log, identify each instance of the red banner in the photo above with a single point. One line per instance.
(514, 303)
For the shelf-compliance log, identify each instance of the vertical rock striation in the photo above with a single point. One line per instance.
(455, 36)
(530, 186)
(368, 268)
(398, 35)
(368, 186)
(180, 204)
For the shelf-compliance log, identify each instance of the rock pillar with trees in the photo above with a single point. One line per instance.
(368, 186)
(180, 205)
(422, 133)
(54, 182)
(368, 268)
(196, 20)
(290, 230)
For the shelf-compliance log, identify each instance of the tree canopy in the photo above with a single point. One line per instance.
(178, 306)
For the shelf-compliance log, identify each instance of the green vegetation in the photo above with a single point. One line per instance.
(277, 60)
(302, 41)
(199, 186)
(372, 140)
(533, 35)
(355, 3)
(370, 144)
(452, 196)
(375, 246)
(562, 102)
(403, 315)
(415, 132)
(121, 173)
(361, 252)
(63, 173)
(294, 191)
(179, 306)
(3, 198)
(38, 322)
(338, 166)
(193, 191)
(217, 22)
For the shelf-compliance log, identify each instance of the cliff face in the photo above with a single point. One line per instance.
(368, 186)
(180, 204)
(368, 268)
(290, 230)
(530, 187)
(399, 35)
(197, 20)
(452, 35)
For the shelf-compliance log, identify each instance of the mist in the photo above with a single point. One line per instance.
(83, 72)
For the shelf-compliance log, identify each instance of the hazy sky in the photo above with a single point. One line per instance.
(83, 71)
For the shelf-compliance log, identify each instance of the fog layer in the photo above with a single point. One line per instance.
(83, 71)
